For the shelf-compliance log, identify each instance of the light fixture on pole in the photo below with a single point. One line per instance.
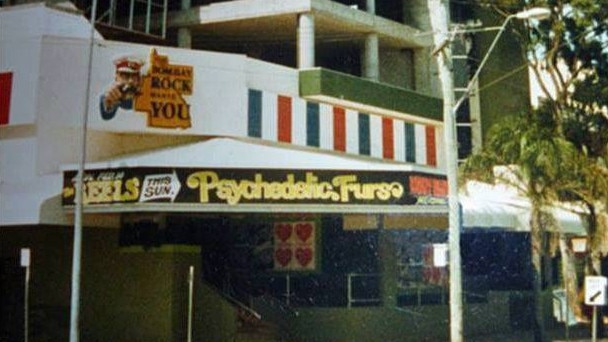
(538, 13)
(439, 15)
(579, 244)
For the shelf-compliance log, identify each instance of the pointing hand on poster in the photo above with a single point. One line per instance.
(126, 85)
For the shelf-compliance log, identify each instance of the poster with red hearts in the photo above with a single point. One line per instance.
(294, 246)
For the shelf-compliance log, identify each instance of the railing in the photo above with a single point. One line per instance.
(228, 295)
(356, 285)
(422, 294)
(137, 18)
(353, 299)
(356, 290)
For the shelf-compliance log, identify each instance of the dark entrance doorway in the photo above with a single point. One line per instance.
(12, 277)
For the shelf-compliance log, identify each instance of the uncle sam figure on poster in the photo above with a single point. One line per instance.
(126, 86)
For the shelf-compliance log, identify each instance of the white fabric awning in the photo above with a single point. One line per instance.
(501, 206)
(238, 153)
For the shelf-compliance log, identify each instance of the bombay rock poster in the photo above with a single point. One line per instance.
(156, 87)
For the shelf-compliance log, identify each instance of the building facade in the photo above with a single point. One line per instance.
(289, 152)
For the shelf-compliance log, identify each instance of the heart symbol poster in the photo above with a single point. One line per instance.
(283, 231)
(283, 256)
(294, 246)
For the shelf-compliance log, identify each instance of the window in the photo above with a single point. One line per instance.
(420, 281)
(468, 119)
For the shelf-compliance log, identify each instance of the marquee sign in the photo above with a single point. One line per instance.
(241, 186)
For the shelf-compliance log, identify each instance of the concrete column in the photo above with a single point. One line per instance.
(370, 5)
(426, 73)
(370, 62)
(389, 287)
(306, 41)
(184, 38)
(416, 14)
(184, 35)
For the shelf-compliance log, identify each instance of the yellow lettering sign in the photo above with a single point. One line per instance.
(339, 189)
(110, 191)
(162, 93)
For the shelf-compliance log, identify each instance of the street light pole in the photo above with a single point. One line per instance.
(439, 13)
(78, 199)
(442, 38)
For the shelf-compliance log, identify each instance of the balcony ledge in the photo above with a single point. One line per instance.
(357, 93)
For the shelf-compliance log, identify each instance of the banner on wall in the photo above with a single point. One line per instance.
(137, 88)
(160, 91)
(294, 246)
(144, 185)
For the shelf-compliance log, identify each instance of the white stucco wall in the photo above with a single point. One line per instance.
(24, 186)
(22, 189)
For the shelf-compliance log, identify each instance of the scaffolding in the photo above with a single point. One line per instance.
(147, 17)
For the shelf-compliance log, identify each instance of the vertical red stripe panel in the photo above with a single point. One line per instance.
(284, 119)
(339, 129)
(6, 85)
(431, 150)
(388, 141)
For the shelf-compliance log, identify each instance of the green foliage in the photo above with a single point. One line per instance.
(588, 131)
(546, 163)
(559, 151)
(571, 129)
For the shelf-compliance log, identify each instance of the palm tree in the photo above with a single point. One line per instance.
(589, 185)
(538, 160)
(570, 49)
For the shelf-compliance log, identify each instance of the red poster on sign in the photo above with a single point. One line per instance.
(6, 85)
(431, 274)
(294, 246)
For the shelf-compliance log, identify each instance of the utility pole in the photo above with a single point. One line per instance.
(442, 38)
(78, 198)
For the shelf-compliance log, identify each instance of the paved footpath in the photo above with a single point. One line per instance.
(577, 334)
(524, 338)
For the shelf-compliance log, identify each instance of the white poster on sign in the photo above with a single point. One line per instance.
(25, 257)
(595, 290)
(440, 254)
